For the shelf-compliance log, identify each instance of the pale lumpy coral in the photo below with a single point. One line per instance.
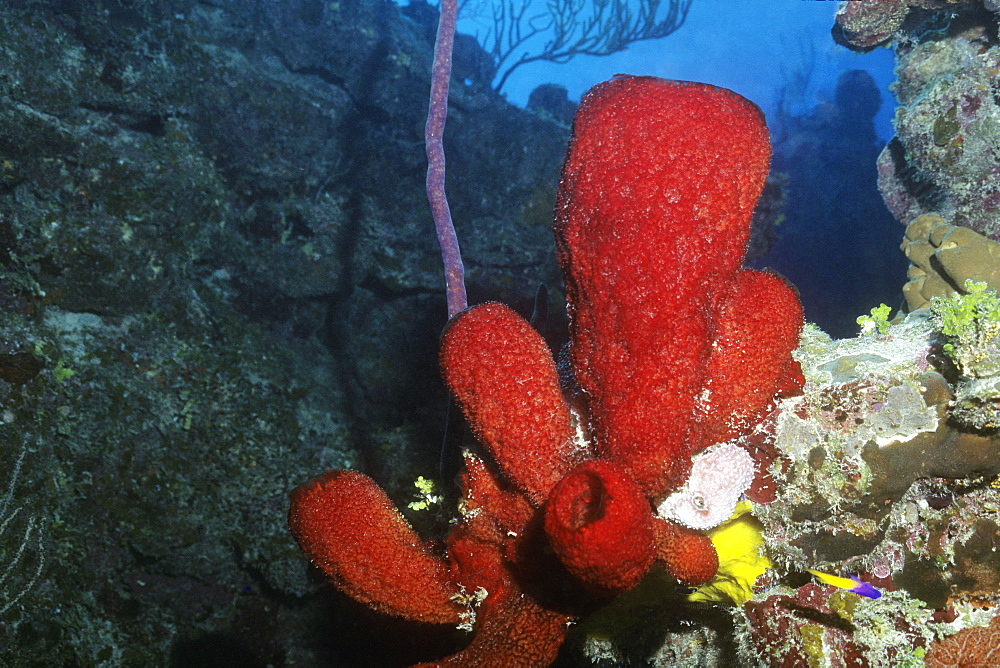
(719, 476)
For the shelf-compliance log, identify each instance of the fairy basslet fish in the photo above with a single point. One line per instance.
(850, 583)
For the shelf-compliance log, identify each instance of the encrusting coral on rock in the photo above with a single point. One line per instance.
(975, 646)
(675, 347)
(887, 467)
(944, 157)
(719, 476)
(876, 478)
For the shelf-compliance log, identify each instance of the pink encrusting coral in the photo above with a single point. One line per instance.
(674, 346)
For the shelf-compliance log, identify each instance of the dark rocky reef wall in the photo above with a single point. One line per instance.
(219, 279)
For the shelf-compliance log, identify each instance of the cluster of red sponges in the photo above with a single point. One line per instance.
(674, 346)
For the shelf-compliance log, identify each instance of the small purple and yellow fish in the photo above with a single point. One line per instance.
(851, 583)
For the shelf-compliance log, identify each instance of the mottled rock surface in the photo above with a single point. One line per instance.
(219, 279)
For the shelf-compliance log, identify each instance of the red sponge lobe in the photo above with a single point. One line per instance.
(652, 220)
(600, 526)
(502, 374)
(686, 554)
(758, 327)
(349, 528)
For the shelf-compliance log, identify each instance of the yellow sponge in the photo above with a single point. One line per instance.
(742, 558)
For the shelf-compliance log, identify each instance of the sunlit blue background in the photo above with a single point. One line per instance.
(751, 46)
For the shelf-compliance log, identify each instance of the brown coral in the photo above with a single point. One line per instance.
(943, 256)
